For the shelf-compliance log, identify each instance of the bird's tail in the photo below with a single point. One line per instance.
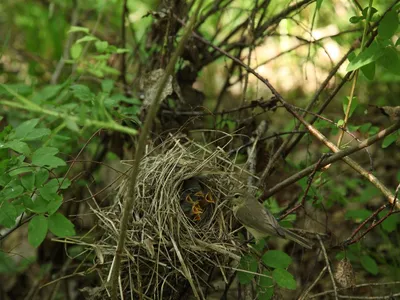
(290, 235)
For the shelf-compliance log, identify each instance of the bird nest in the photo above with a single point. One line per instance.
(180, 234)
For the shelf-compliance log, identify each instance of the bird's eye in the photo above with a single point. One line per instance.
(237, 195)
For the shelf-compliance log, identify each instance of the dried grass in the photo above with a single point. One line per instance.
(168, 255)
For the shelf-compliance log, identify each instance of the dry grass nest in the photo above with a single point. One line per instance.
(181, 231)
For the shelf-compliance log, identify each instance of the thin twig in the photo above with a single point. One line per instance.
(328, 266)
(128, 204)
(308, 290)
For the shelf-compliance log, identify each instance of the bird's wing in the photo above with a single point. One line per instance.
(255, 216)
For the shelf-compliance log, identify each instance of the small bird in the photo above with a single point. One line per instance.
(259, 221)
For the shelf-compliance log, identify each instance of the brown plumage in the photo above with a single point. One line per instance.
(259, 221)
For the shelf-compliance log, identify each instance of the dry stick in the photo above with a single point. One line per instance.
(128, 204)
(308, 290)
(123, 45)
(309, 183)
(67, 47)
(343, 155)
(369, 284)
(353, 240)
(356, 73)
(346, 159)
(280, 150)
(341, 84)
(318, 134)
(328, 266)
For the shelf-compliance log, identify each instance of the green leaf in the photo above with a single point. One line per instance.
(247, 263)
(369, 264)
(369, 71)
(388, 26)
(71, 124)
(353, 107)
(107, 86)
(284, 279)
(358, 214)
(122, 50)
(259, 245)
(101, 46)
(76, 51)
(45, 157)
(369, 55)
(48, 92)
(37, 134)
(387, 141)
(37, 205)
(61, 226)
(49, 191)
(265, 287)
(18, 146)
(54, 205)
(28, 181)
(41, 177)
(78, 29)
(390, 223)
(12, 191)
(7, 264)
(365, 127)
(276, 259)
(355, 19)
(87, 38)
(8, 214)
(82, 92)
(65, 183)
(365, 11)
(25, 128)
(37, 230)
(390, 60)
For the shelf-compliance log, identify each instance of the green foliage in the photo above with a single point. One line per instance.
(369, 264)
(248, 264)
(276, 259)
(25, 184)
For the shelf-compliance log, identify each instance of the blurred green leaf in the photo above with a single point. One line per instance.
(284, 279)
(41, 177)
(387, 141)
(388, 26)
(13, 191)
(8, 214)
(28, 181)
(358, 214)
(54, 204)
(390, 223)
(101, 46)
(17, 146)
(78, 29)
(82, 92)
(45, 156)
(247, 263)
(76, 51)
(369, 71)
(60, 225)
(390, 60)
(7, 264)
(354, 104)
(276, 259)
(87, 38)
(265, 287)
(369, 264)
(369, 55)
(37, 230)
